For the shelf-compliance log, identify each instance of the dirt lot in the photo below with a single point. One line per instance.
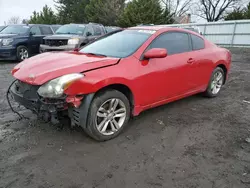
(195, 142)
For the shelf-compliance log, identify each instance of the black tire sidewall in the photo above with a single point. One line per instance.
(208, 92)
(95, 105)
(18, 52)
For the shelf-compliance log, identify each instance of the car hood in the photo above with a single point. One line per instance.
(8, 36)
(45, 67)
(61, 36)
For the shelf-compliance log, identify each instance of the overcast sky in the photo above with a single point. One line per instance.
(24, 9)
(21, 8)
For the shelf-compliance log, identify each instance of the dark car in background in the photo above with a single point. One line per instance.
(2, 27)
(19, 42)
(72, 36)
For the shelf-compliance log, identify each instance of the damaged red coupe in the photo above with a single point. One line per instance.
(120, 75)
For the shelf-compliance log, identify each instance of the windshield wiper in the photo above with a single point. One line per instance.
(96, 54)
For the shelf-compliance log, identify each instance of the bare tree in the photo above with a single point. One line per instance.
(14, 20)
(177, 7)
(214, 10)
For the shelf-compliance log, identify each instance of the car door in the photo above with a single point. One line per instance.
(168, 77)
(202, 66)
(36, 39)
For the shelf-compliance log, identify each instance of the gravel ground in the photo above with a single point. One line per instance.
(195, 142)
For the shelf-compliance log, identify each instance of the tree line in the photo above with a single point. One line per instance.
(126, 13)
(239, 13)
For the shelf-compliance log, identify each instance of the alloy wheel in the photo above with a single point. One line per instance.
(217, 83)
(23, 53)
(110, 116)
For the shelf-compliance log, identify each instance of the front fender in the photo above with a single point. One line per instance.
(92, 85)
(21, 41)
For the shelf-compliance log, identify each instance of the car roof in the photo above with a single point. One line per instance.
(74, 24)
(28, 25)
(155, 28)
(162, 28)
(91, 23)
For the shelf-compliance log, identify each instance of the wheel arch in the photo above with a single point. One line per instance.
(224, 68)
(87, 100)
(121, 88)
(25, 44)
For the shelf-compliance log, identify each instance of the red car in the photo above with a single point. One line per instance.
(118, 76)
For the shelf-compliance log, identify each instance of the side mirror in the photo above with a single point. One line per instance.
(155, 53)
(88, 34)
(31, 34)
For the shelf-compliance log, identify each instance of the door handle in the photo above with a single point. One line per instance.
(190, 60)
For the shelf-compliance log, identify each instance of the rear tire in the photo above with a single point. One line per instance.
(109, 113)
(216, 82)
(22, 53)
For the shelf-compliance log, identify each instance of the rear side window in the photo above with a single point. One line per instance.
(97, 30)
(173, 42)
(46, 30)
(35, 30)
(198, 43)
(90, 30)
(103, 30)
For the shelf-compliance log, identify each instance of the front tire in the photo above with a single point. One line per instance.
(216, 82)
(22, 53)
(108, 115)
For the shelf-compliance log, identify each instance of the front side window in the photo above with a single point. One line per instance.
(71, 29)
(198, 42)
(173, 42)
(121, 44)
(35, 30)
(46, 30)
(15, 29)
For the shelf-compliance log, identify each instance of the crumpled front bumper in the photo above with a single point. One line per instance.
(26, 95)
(76, 108)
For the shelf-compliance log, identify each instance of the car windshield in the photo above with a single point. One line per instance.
(1, 28)
(71, 29)
(55, 27)
(15, 29)
(121, 44)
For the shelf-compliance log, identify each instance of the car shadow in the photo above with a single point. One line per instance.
(146, 122)
(8, 62)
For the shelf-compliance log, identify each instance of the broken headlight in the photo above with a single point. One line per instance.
(56, 87)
